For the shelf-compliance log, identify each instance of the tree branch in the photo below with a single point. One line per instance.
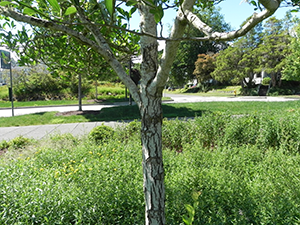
(109, 56)
(172, 44)
(270, 7)
(101, 46)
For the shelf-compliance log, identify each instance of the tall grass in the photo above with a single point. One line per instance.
(245, 169)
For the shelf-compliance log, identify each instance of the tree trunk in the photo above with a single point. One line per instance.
(273, 79)
(153, 171)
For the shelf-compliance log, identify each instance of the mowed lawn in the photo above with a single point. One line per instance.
(169, 111)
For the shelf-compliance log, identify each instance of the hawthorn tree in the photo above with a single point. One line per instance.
(102, 28)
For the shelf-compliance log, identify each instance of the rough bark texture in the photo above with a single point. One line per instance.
(153, 171)
(151, 113)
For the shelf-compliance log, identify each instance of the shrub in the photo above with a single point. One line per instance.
(248, 92)
(175, 134)
(209, 129)
(129, 131)
(275, 91)
(242, 130)
(19, 142)
(4, 145)
(101, 133)
(133, 128)
(266, 81)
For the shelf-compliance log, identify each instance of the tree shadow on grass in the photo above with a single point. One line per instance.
(120, 113)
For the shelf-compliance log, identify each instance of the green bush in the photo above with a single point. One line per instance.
(4, 145)
(16, 143)
(101, 133)
(266, 81)
(248, 92)
(39, 86)
(175, 134)
(133, 128)
(85, 87)
(242, 130)
(3, 92)
(275, 91)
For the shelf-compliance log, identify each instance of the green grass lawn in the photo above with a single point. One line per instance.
(169, 111)
(7, 104)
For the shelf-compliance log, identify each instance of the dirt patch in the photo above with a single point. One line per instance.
(72, 113)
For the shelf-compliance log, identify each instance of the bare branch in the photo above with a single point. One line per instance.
(187, 15)
(172, 44)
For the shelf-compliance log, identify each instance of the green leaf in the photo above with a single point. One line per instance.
(28, 11)
(132, 10)
(54, 4)
(158, 14)
(5, 3)
(131, 2)
(110, 5)
(70, 10)
(253, 3)
(186, 220)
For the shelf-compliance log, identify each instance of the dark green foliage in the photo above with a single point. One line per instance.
(248, 91)
(184, 64)
(16, 143)
(129, 132)
(266, 81)
(206, 130)
(133, 128)
(101, 133)
(4, 145)
(39, 86)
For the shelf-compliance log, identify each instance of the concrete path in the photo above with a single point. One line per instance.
(7, 112)
(42, 131)
(183, 98)
(76, 129)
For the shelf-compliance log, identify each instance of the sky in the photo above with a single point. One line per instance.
(236, 11)
(233, 11)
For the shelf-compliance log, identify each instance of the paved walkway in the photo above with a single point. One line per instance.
(77, 129)
(42, 131)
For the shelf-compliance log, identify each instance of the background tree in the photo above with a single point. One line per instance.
(239, 62)
(62, 53)
(101, 29)
(204, 66)
(274, 49)
(291, 70)
(184, 63)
